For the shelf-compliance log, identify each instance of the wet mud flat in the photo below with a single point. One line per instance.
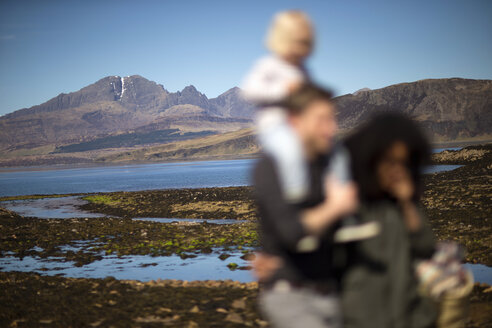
(31, 300)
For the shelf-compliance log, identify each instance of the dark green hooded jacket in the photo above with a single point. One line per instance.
(379, 286)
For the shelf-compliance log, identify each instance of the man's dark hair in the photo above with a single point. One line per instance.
(304, 96)
(371, 141)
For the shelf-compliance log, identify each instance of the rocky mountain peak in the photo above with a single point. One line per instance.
(190, 89)
(190, 95)
(232, 92)
(232, 104)
(361, 90)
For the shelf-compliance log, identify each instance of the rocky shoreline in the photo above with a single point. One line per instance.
(202, 203)
(31, 300)
(458, 204)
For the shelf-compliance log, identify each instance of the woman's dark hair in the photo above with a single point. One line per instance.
(373, 139)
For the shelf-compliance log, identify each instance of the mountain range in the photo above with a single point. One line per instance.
(449, 109)
(121, 113)
(116, 105)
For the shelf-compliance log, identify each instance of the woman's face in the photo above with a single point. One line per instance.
(393, 174)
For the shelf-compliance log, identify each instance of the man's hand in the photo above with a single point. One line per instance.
(341, 197)
(265, 265)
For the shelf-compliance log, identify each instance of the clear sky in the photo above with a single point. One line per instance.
(49, 47)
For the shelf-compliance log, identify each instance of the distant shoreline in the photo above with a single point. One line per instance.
(89, 164)
(462, 144)
(48, 167)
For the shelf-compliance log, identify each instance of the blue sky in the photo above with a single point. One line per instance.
(48, 47)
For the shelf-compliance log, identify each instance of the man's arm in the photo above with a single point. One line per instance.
(341, 199)
(292, 225)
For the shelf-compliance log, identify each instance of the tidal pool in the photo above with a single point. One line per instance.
(481, 273)
(138, 267)
(440, 168)
(439, 150)
(67, 208)
(173, 220)
(146, 268)
(50, 208)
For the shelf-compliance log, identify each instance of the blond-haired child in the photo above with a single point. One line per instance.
(290, 40)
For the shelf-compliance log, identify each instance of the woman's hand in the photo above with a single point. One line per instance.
(393, 174)
(401, 185)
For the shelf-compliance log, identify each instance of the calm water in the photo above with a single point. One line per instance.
(134, 177)
(126, 178)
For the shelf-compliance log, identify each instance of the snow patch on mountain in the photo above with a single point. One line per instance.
(122, 87)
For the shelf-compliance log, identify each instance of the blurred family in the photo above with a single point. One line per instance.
(344, 242)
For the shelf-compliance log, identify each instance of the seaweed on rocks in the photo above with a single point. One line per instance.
(86, 240)
(459, 202)
(203, 203)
